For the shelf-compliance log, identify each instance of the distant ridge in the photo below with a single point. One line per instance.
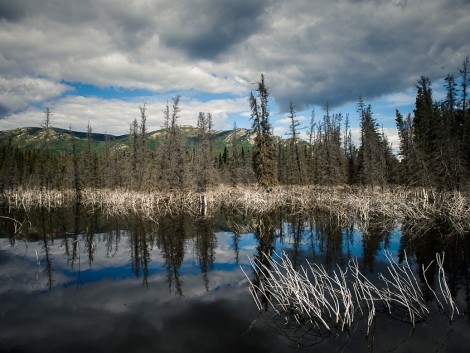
(33, 137)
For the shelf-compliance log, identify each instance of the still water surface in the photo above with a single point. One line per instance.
(75, 280)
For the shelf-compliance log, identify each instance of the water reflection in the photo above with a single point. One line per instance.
(206, 243)
(183, 271)
(171, 241)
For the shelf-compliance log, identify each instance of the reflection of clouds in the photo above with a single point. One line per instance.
(225, 252)
(19, 270)
(124, 315)
(97, 310)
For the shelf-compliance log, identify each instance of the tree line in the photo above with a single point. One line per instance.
(434, 150)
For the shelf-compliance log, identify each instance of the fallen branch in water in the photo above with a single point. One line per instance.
(17, 227)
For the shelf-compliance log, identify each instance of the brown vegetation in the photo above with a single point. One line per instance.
(345, 203)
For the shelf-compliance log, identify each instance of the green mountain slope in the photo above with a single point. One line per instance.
(34, 138)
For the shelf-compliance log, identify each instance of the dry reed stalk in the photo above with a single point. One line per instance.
(330, 300)
(345, 203)
(443, 298)
(403, 289)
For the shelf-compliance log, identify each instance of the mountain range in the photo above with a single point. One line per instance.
(33, 137)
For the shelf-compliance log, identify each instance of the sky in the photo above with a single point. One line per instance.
(97, 61)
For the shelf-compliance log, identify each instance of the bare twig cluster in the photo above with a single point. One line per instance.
(331, 302)
(18, 226)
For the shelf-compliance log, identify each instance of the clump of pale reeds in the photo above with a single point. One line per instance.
(29, 198)
(345, 203)
(332, 301)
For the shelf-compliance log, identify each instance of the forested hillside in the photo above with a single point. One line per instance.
(434, 150)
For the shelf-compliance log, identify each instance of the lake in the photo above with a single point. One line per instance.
(74, 280)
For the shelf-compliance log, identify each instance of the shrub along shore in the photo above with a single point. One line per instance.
(346, 203)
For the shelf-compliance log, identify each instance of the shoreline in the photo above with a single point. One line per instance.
(343, 202)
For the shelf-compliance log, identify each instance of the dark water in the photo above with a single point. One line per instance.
(73, 280)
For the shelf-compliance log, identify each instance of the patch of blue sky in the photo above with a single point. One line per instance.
(110, 92)
(96, 275)
(225, 266)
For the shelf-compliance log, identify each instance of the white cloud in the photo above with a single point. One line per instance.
(400, 99)
(114, 116)
(311, 52)
(18, 93)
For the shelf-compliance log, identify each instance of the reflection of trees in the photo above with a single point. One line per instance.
(112, 239)
(296, 230)
(141, 243)
(264, 232)
(424, 243)
(374, 233)
(71, 248)
(236, 248)
(235, 222)
(47, 238)
(330, 238)
(90, 232)
(206, 242)
(436, 237)
(171, 242)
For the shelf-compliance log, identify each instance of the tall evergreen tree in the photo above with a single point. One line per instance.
(134, 170)
(45, 167)
(465, 116)
(88, 167)
(350, 152)
(264, 152)
(371, 156)
(311, 157)
(76, 182)
(173, 174)
(331, 163)
(451, 138)
(409, 169)
(204, 168)
(143, 152)
(426, 128)
(235, 161)
(296, 163)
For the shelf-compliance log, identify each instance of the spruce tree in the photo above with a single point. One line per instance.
(204, 169)
(426, 129)
(373, 150)
(296, 164)
(264, 152)
(173, 174)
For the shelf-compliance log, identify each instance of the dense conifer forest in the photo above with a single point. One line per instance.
(434, 150)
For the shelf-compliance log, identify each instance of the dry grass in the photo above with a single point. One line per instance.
(333, 301)
(345, 203)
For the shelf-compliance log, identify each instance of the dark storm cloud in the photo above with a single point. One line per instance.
(55, 10)
(3, 111)
(14, 10)
(205, 29)
(341, 49)
(56, 322)
(310, 51)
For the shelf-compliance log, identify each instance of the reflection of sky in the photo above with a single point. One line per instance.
(116, 267)
(104, 306)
